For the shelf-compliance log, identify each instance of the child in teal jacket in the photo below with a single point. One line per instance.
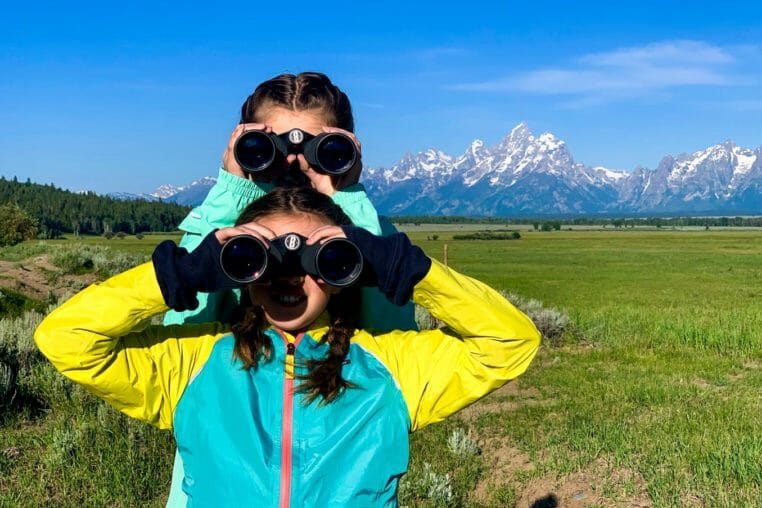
(295, 407)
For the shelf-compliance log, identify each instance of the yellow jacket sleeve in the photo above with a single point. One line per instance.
(100, 339)
(486, 342)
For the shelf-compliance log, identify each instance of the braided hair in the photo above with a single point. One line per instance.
(308, 91)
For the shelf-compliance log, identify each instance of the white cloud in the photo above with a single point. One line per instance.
(625, 72)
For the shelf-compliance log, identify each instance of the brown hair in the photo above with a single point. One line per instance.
(308, 91)
(252, 343)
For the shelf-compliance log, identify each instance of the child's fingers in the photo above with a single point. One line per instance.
(324, 233)
(350, 135)
(229, 163)
(254, 229)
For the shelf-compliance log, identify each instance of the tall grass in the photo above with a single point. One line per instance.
(660, 400)
(59, 445)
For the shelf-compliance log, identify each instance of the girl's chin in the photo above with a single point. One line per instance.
(287, 317)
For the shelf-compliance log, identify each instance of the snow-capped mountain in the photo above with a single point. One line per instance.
(191, 195)
(522, 174)
(723, 176)
(526, 174)
(166, 191)
(126, 196)
(529, 175)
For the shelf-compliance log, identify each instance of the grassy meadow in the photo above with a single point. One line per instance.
(650, 396)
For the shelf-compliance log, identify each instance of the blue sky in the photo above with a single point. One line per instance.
(127, 96)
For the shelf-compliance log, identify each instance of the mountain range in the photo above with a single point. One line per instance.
(528, 175)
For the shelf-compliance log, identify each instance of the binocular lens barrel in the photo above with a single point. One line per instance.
(339, 262)
(332, 152)
(335, 154)
(243, 258)
(254, 151)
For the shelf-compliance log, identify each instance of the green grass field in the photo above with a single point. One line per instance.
(667, 381)
(653, 399)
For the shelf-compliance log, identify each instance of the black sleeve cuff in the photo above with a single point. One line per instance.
(392, 263)
(181, 274)
(176, 295)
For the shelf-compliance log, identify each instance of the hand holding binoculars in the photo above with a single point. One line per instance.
(246, 259)
(332, 153)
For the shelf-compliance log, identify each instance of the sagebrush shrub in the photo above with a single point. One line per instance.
(8, 373)
(103, 261)
(429, 485)
(461, 444)
(424, 319)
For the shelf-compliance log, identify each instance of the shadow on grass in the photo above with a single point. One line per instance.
(549, 501)
(22, 406)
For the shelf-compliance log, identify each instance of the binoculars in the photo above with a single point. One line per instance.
(330, 152)
(245, 259)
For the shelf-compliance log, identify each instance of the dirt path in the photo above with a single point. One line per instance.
(32, 277)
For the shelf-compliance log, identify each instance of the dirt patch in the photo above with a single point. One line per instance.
(32, 277)
(597, 485)
(503, 461)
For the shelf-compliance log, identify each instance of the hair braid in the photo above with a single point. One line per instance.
(251, 343)
(325, 376)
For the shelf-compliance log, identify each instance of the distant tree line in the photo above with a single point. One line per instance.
(57, 211)
(488, 235)
(556, 224)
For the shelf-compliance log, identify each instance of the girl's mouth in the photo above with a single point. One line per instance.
(288, 300)
(287, 292)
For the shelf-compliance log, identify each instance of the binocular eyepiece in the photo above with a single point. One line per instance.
(245, 259)
(330, 152)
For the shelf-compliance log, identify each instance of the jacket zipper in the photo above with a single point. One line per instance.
(287, 432)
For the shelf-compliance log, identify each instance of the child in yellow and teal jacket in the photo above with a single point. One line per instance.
(294, 406)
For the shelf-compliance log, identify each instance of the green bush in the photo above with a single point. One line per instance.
(16, 225)
(489, 235)
(102, 261)
(13, 303)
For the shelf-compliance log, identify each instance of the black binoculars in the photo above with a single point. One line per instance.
(330, 152)
(245, 259)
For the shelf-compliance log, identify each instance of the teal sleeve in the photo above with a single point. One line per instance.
(355, 203)
(226, 200)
